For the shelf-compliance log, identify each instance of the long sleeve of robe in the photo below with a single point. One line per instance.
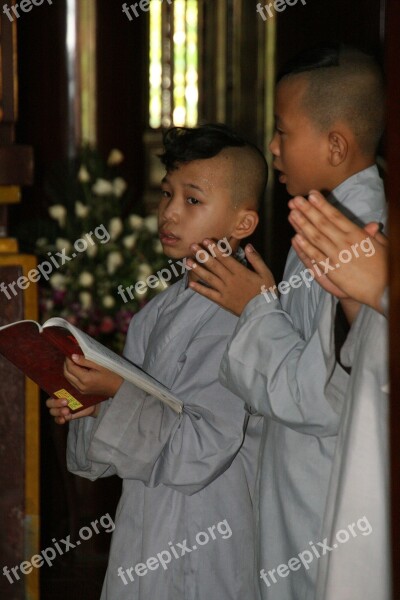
(280, 362)
(358, 568)
(181, 473)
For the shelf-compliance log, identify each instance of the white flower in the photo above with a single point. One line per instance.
(58, 282)
(119, 186)
(86, 279)
(83, 175)
(85, 299)
(81, 210)
(157, 247)
(135, 221)
(151, 222)
(41, 242)
(62, 244)
(129, 241)
(91, 251)
(108, 302)
(114, 260)
(145, 270)
(58, 212)
(115, 227)
(102, 187)
(115, 157)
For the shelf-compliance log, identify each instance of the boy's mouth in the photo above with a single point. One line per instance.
(167, 238)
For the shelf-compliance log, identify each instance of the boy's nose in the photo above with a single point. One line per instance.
(171, 212)
(273, 145)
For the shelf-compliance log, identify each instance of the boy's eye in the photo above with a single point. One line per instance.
(193, 201)
(165, 194)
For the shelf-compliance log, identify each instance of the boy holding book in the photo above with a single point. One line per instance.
(281, 359)
(184, 524)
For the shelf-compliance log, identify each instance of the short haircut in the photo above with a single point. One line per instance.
(345, 84)
(250, 170)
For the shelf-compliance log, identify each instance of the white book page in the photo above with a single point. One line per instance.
(105, 357)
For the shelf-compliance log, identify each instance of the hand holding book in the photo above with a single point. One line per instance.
(88, 378)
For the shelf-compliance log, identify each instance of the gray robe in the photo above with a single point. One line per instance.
(181, 474)
(280, 362)
(359, 567)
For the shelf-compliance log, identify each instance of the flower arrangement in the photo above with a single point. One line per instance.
(90, 194)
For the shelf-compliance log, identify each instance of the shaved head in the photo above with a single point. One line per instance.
(343, 85)
(247, 171)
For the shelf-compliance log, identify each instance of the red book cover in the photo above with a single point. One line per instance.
(41, 356)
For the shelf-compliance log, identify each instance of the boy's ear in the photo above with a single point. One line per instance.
(338, 147)
(246, 223)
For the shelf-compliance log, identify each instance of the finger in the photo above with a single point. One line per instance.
(291, 202)
(60, 412)
(205, 291)
(56, 402)
(332, 214)
(382, 239)
(326, 244)
(294, 222)
(81, 361)
(256, 261)
(310, 251)
(372, 228)
(72, 373)
(302, 255)
(205, 275)
(329, 221)
(216, 261)
(223, 256)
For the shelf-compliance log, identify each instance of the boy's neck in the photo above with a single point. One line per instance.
(353, 169)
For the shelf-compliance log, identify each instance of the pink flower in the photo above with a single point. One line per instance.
(107, 325)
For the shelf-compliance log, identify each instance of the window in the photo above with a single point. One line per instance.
(173, 63)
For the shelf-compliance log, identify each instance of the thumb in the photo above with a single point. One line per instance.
(255, 260)
(372, 228)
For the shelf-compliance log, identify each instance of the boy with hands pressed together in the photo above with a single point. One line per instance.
(359, 482)
(281, 359)
(194, 472)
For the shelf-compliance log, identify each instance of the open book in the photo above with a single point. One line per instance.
(40, 351)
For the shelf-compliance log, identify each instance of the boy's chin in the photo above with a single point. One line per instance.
(175, 253)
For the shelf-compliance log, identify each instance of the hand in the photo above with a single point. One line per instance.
(325, 237)
(231, 284)
(62, 414)
(89, 378)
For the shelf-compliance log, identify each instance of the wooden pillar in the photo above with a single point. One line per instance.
(19, 423)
